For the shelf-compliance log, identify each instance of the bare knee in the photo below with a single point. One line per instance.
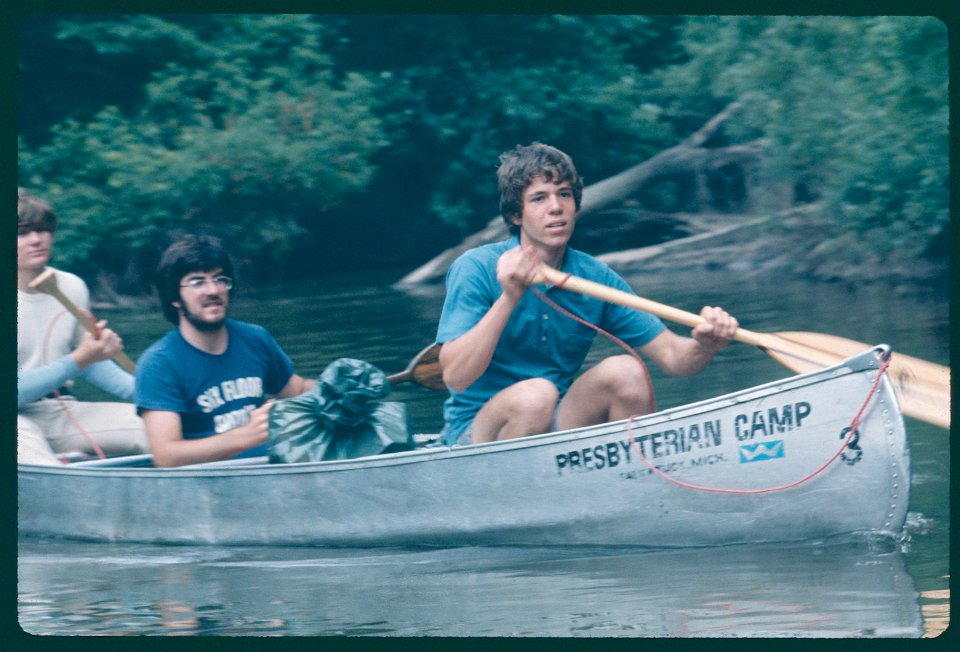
(619, 369)
(536, 396)
(525, 408)
(624, 380)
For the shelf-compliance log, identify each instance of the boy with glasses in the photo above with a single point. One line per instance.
(202, 388)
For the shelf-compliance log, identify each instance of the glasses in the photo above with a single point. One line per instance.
(198, 282)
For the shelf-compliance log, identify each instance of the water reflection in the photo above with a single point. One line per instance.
(849, 589)
(935, 608)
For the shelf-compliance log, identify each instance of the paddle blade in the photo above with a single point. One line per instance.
(424, 370)
(922, 387)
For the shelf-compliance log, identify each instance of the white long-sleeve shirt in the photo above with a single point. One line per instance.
(46, 334)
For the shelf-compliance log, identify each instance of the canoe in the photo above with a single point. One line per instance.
(772, 463)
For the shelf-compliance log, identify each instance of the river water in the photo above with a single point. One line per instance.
(853, 588)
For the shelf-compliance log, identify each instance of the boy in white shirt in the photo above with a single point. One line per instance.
(53, 349)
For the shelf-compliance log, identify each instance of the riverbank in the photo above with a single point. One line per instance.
(792, 243)
(797, 241)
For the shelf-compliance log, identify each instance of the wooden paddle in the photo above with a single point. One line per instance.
(424, 370)
(47, 283)
(922, 387)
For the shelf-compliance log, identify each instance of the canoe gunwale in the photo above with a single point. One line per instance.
(116, 467)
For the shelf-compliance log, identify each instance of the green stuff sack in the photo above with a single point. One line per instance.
(340, 418)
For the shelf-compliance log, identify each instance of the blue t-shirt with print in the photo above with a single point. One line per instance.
(212, 393)
(538, 342)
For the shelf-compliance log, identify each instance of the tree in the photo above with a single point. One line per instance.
(330, 141)
(856, 114)
(244, 132)
(456, 91)
(409, 111)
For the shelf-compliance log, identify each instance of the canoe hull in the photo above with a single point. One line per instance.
(727, 463)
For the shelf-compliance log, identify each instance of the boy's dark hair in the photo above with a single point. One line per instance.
(193, 253)
(520, 166)
(34, 213)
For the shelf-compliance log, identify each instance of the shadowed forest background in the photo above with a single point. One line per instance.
(319, 143)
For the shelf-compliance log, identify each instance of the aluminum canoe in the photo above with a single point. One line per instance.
(776, 462)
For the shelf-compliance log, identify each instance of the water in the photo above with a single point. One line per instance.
(819, 589)
(809, 591)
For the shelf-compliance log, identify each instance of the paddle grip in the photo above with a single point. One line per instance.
(84, 318)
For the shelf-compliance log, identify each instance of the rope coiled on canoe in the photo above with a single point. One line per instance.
(883, 364)
(854, 425)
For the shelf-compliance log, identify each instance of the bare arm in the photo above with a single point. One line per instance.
(169, 448)
(464, 359)
(685, 356)
(295, 386)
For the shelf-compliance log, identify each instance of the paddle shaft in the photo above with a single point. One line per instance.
(47, 283)
(922, 387)
(425, 369)
(612, 295)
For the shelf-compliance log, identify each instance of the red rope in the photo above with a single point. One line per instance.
(884, 363)
(607, 334)
(56, 393)
(79, 427)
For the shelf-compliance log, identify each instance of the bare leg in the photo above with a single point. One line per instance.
(523, 409)
(617, 388)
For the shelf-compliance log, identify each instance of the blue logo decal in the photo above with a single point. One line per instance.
(766, 450)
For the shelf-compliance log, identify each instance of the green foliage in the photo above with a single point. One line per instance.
(456, 91)
(855, 110)
(330, 140)
(252, 139)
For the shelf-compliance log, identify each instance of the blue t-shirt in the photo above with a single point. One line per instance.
(212, 393)
(538, 342)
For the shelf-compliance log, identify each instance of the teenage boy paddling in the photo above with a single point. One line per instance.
(509, 359)
(53, 350)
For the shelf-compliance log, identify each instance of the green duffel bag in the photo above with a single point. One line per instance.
(340, 418)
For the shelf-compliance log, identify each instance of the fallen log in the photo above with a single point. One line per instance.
(688, 156)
